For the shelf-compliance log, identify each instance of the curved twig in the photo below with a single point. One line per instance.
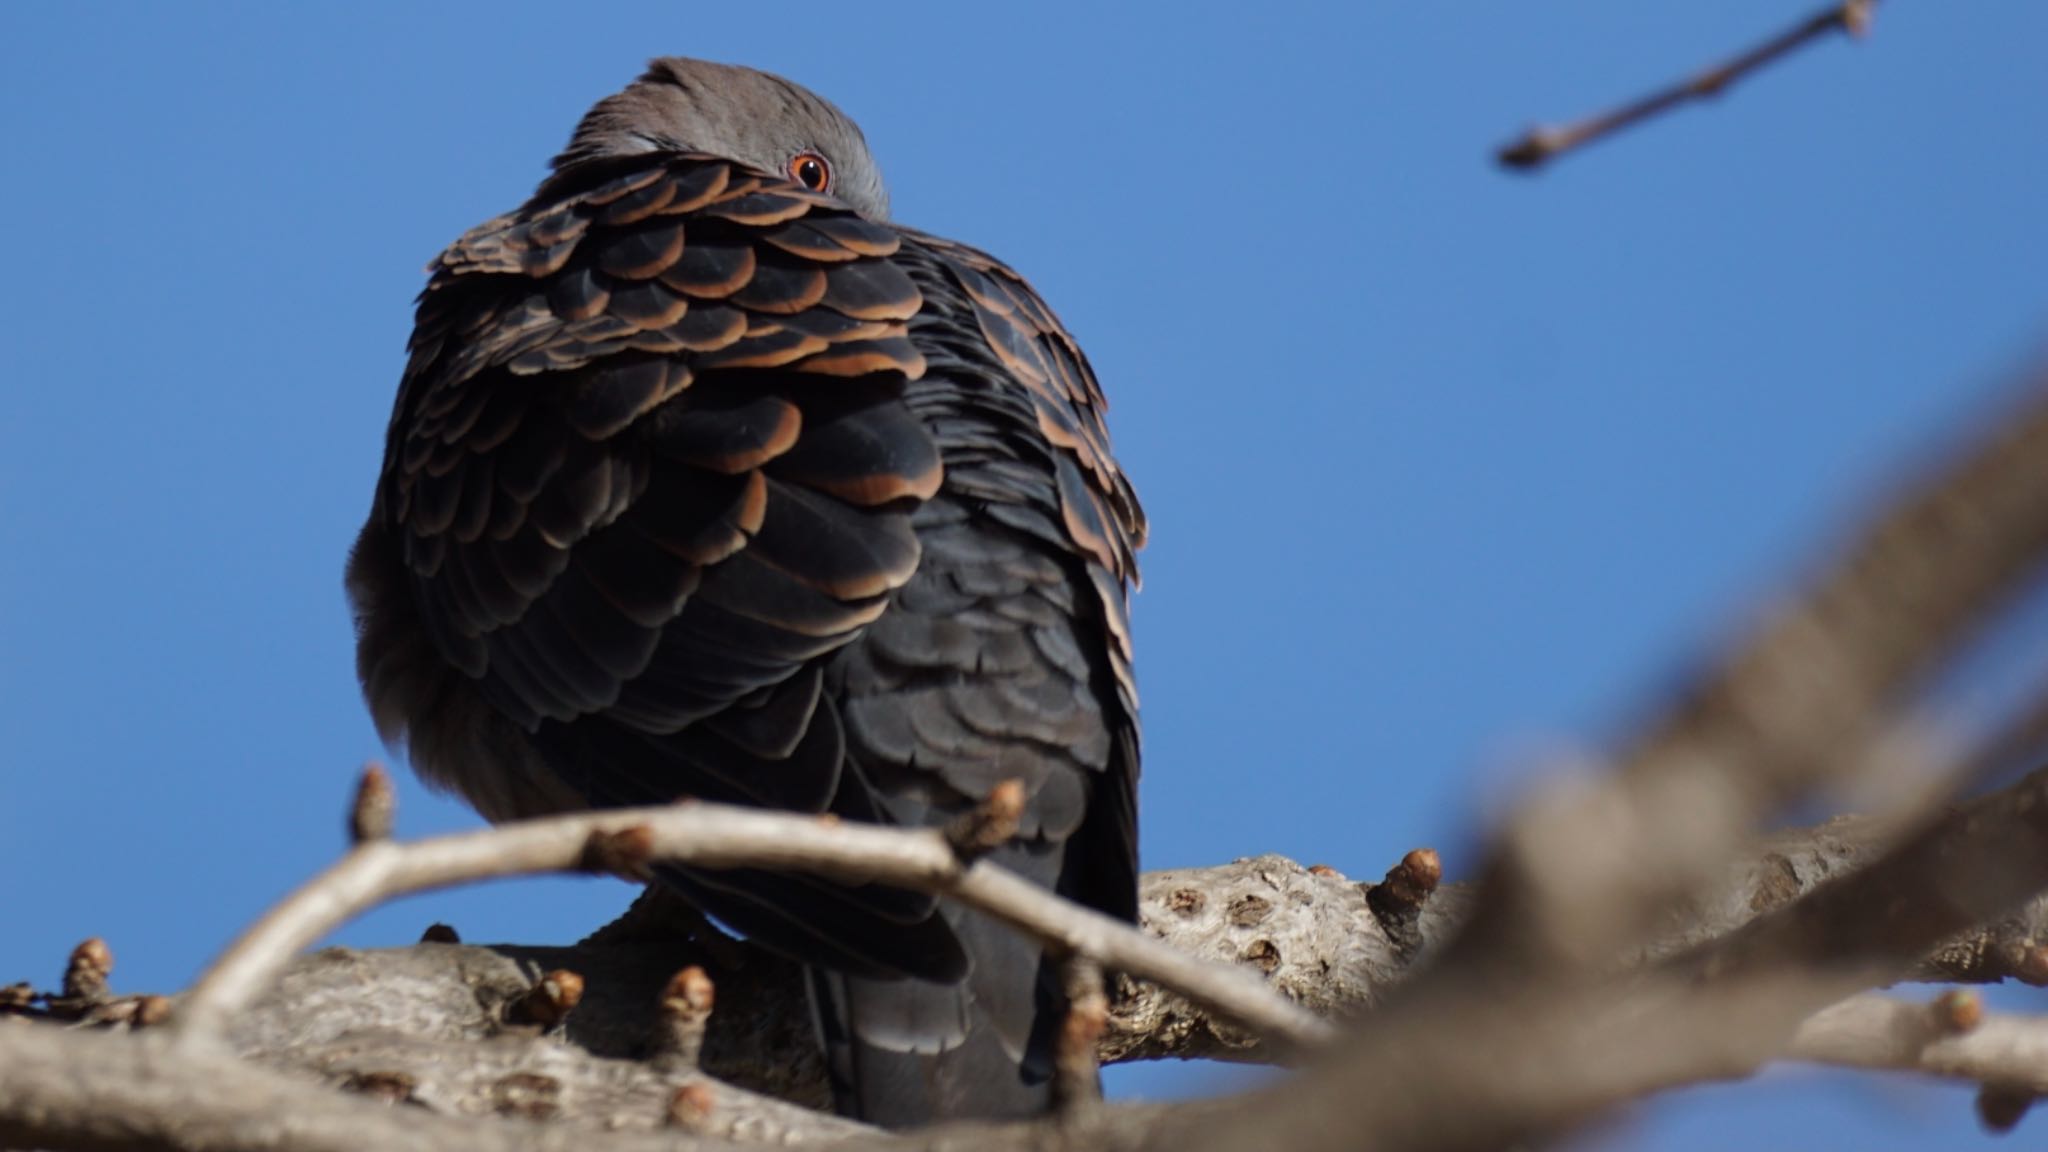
(718, 836)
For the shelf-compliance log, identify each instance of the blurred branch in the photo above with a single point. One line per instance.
(1806, 702)
(1980, 862)
(1541, 145)
(1949, 1038)
(1519, 1029)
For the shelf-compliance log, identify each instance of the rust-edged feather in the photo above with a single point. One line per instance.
(699, 483)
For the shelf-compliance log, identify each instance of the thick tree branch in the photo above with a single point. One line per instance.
(141, 1095)
(87, 1090)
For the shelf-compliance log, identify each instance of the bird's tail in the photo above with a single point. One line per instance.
(908, 1052)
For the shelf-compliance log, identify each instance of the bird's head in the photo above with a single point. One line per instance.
(759, 120)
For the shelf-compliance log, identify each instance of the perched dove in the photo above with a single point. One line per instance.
(705, 480)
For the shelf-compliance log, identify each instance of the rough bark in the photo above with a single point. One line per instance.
(430, 1022)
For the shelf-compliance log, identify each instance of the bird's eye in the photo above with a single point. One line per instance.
(810, 170)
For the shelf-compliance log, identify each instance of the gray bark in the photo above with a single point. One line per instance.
(433, 1017)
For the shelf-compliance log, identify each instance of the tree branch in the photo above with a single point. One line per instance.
(1541, 145)
(1557, 996)
(1807, 702)
(1587, 872)
(1326, 949)
(1884, 1034)
(87, 1090)
(716, 836)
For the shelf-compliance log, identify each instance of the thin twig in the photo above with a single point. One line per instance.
(717, 836)
(1541, 145)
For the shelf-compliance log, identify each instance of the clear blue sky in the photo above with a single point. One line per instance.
(1445, 465)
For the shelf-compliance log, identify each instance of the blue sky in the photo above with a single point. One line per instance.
(1445, 466)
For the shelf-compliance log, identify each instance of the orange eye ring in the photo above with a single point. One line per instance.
(811, 170)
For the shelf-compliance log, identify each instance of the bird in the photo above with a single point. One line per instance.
(707, 481)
